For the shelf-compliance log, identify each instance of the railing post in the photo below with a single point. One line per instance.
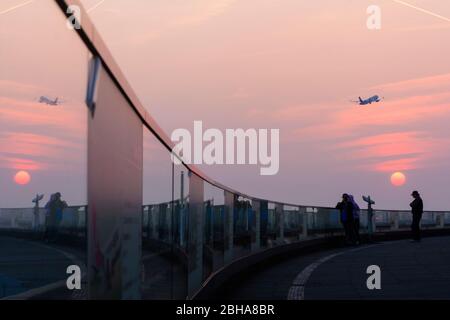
(228, 227)
(195, 240)
(36, 223)
(394, 220)
(441, 220)
(256, 226)
(370, 217)
(371, 225)
(304, 216)
(374, 223)
(279, 216)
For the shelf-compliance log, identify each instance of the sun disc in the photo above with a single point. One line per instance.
(22, 177)
(398, 179)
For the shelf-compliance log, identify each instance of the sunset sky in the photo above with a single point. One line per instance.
(288, 64)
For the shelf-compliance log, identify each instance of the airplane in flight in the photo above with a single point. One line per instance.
(50, 102)
(370, 100)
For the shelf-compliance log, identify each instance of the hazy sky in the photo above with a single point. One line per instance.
(287, 64)
(39, 56)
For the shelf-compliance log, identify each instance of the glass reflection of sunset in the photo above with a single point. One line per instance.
(298, 64)
(43, 148)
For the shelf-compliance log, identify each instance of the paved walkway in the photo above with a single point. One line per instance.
(26, 265)
(408, 271)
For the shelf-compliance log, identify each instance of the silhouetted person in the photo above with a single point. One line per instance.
(416, 210)
(356, 223)
(346, 215)
(53, 217)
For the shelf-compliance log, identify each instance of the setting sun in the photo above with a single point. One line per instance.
(398, 179)
(22, 178)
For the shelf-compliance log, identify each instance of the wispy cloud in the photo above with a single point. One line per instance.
(16, 163)
(36, 136)
(406, 150)
(8, 87)
(21, 112)
(204, 12)
(32, 151)
(31, 144)
(182, 15)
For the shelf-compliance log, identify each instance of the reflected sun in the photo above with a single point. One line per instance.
(22, 177)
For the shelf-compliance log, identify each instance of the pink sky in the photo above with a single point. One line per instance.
(289, 64)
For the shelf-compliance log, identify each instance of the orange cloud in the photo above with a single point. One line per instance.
(69, 117)
(394, 134)
(39, 137)
(21, 163)
(34, 144)
(179, 16)
(403, 164)
(392, 151)
(345, 121)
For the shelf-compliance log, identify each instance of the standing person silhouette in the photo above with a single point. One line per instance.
(356, 223)
(345, 208)
(417, 211)
(54, 207)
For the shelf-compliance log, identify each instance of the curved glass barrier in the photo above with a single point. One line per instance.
(153, 229)
(157, 213)
(214, 231)
(43, 154)
(242, 225)
(292, 223)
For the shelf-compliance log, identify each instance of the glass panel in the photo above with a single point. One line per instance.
(242, 217)
(158, 256)
(324, 221)
(292, 223)
(213, 251)
(165, 223)
(363, 221)
(382, 219)
(43, 154)
(405, 219)
(271, 233)
(264, 223)
(428, 219)
(196, 221)
(181, 223)
(447, 218)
